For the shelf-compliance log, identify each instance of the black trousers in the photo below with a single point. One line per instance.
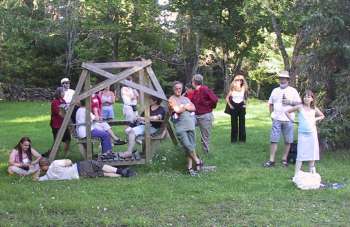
(238, 122)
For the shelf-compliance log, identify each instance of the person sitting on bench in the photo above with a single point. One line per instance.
(65, 169)
(157, 112)
(101, 130)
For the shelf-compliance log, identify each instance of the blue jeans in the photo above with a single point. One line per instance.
(105, 139)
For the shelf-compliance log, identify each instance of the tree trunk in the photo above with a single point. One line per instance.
(197, 53)
(281, 46)
(296, 57)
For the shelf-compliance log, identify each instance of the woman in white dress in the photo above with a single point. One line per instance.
(308, 147)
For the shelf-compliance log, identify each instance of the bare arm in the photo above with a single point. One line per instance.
(319, 115)
(12, 159)
(291, 110)
(37, 155)
(228, 100)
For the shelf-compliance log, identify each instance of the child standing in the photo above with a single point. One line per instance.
(308, 147)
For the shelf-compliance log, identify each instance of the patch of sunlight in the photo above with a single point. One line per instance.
(29, 119)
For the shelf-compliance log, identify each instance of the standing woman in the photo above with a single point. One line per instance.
(308, 146)
(107, 99)
(21, 159)
(236, 101)
(58, 106)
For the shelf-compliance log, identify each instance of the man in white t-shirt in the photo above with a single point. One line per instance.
(282, 98)
(68, 93)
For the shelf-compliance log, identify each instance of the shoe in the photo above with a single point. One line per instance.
(126, 172)
(284, 163)
(199, 165)
(192, 172)
(119, 142)
(269, 164)
(124, 155)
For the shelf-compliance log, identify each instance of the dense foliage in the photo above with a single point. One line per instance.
(42, 41)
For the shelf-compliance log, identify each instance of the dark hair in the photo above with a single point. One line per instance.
(18, 147)
(310, 93)
(156, 99)
(82, 102)
(189, 86)
(58, 92)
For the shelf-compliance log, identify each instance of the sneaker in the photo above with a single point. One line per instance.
(192, 172)
(119, 142)
(269, 164)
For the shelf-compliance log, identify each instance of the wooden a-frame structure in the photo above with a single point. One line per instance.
(148, 85)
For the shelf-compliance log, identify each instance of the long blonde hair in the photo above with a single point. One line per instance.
(244, 83)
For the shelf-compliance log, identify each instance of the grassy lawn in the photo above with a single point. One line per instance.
(240, 192)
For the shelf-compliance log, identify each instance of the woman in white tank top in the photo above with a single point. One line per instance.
(236, 106)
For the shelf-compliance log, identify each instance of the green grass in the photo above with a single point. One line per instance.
(240, 192)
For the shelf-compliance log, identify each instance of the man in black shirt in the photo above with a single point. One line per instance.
(157, 112)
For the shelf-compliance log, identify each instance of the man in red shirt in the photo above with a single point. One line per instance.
(205, 101)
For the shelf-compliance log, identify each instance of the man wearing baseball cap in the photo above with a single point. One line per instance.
(282, 98)
(68, 93)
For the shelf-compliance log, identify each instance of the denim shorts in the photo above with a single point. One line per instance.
(284, 128)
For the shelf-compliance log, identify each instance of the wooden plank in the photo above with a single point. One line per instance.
(144, 89)
(154, 81)
(116, 65)
(88, 120)
(112, 79)
(106, 74)
(147, 140)
(67, 116)
(172, 134)
(141, 75)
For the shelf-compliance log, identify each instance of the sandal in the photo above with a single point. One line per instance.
(269, 164)
(199, 165)
(284, 163)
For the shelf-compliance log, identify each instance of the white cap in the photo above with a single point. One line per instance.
(284, 74)
(64, 80)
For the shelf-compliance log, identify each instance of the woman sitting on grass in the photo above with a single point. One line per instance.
(21, 159)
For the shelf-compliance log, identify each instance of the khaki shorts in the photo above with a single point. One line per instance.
(90, 168)
(284, 128)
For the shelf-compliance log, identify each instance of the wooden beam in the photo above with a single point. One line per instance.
(141, 75)
(88, 120)
(112, 79)
(171, 134)
(154, 81)
(116, 65)
(67, 116)
(144, 89)
(101, 72)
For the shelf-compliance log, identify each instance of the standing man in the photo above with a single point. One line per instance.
(205, 101)
(282, 98)
(68, 93)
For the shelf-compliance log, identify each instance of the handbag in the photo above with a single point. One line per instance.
(228, 110)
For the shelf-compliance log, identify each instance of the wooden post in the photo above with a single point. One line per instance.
(88, 120)
(147, 125)
(67, 116)
(141, 75)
